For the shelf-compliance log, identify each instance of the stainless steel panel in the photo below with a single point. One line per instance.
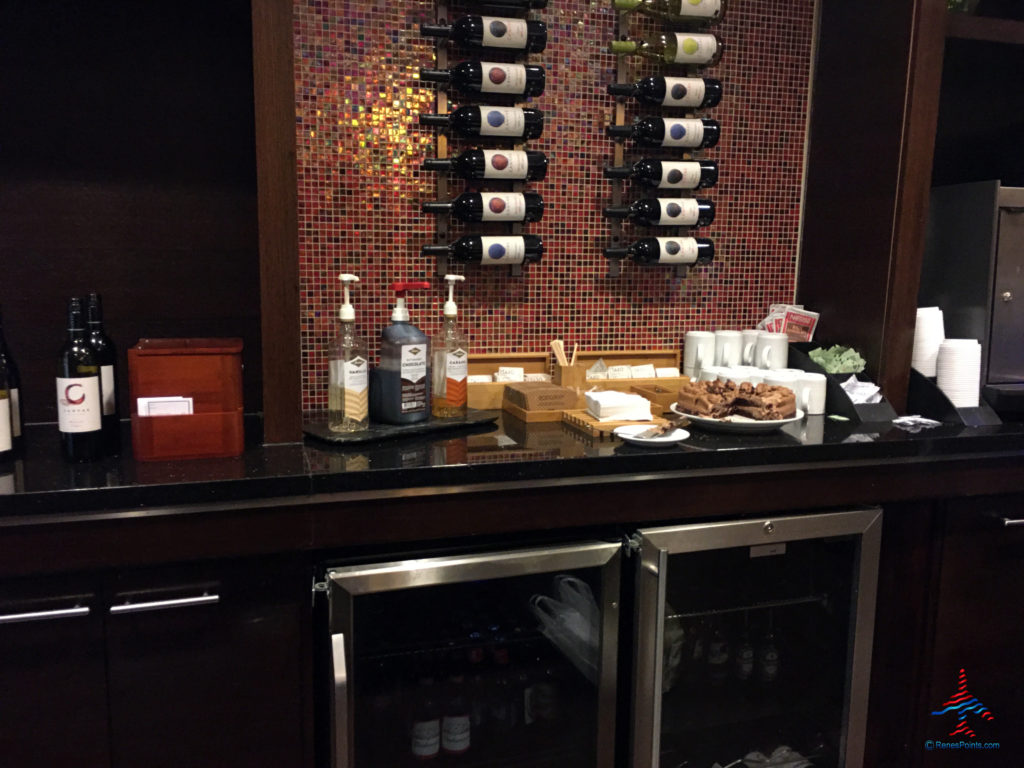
(647, 658)
(340, 701)
(1006, 342)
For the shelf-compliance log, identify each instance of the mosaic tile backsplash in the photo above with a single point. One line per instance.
(360, 186)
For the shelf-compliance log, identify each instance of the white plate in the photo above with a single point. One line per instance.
(738, 423)
(627, 433)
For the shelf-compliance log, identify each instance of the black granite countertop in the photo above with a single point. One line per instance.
(42, 483)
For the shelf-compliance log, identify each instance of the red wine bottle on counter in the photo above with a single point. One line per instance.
(697, 49)
(668, 174)
(491, 251)
(683, 132)
(492, 32)
(106, 353)
(491, 206)
(515, 164)
(13, 390)
(658, 91)
(700, 11)
(490, 77)
(492, 122)
(657, 251)
(79, 398)
(666, 211)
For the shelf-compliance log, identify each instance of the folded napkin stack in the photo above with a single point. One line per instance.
(618, 406)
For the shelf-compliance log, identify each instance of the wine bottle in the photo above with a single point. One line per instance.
(703, 11)
(519, 4)
(514, 164)
(13, 390)
(504, 122)
(658, 91)
(491, 206)
(106, 352)
(491, 251)
(668, 174)
(478, 77)
(685, 132)
(79, 399)
(699, 49)
(492, 32)
(656, 251)
(666, 211)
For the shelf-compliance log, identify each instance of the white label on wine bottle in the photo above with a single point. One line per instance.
(16, 412)
(502, 121)
(426, 738)
(506, 164)
(683, 91)
(506, 249)
(686, 132)
(678, 211)
(504, 33)
(677, 250)
(6, 441)
(455, 734)
(683, 174)
(414, 362)
(700, 9)
(502, 78)
(503, 206)
(78, 404)
(694, 48)
(107, 387)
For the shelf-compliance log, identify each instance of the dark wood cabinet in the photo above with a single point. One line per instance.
(197, 666)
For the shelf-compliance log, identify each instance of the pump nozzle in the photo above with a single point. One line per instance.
(400, 314)
(450, 310)
(347, 314)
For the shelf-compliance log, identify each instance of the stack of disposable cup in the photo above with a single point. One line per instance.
(958, 371)
(929, 332)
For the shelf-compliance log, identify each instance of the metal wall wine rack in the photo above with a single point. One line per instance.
(442, 105)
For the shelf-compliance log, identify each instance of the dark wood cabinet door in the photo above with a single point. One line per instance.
(976, 681)
(206, 668)
(53, 704)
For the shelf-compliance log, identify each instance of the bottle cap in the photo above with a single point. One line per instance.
(400, 314)
(619, 131)
(347, 313)
(621, 47)
(435, 75)
(450, 310)
(616, 253)
(435, 30)
(621, 89)
(618, 171)
(616, 211)
(434, 119)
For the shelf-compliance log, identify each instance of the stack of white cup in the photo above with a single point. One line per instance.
(958, 371)
(929, 333)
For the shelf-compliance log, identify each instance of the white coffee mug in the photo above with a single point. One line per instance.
(783, 379)
(811, 430)
(698, 352)
(710, 373)
(749, 338)
(728, 348)
(810, 396)
(748, 374)
(771, 351)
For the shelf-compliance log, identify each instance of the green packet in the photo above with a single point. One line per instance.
(838, 359)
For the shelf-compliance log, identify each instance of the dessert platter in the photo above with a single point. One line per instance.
(724, 406)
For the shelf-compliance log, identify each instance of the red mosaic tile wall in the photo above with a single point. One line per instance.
(360, 186)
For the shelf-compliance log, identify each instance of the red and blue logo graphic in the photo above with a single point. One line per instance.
(964, 704)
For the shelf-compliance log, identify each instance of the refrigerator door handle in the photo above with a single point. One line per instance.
(339, 731)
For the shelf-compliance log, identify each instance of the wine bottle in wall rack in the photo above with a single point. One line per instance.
(668, 174)
(697, 49)
(513, 165)
(491, 251)
(491, 206)
(490, 78)
(518, 4)
(492, 32)
(658, 91)
(682, 132)
(13, 390)
(657, 251)
(694, 11)
(490, 122)
(666, 211)
(79, 399)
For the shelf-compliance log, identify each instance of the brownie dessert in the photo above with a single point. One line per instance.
(717, 400)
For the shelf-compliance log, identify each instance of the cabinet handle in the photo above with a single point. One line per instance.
(160, 605)
(339, 727)
(60, 613)
(1009, 522)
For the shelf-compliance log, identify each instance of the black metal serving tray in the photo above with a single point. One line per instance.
(320, 431)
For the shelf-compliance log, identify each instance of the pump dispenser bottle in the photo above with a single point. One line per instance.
(400, 387)
(348, 386)
(450, 357)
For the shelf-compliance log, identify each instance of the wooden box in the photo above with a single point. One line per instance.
(576, 376)
(487, 396)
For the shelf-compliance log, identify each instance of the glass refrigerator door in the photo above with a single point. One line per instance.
(498, 659)
(754, 642)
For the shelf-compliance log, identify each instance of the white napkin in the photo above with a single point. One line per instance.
(861, 392)
(620, 406)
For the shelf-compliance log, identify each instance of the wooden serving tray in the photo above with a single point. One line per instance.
(588, 425)
(530, 416)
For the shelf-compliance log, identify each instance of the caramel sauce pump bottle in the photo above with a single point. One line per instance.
(348, 405)
(449, 352)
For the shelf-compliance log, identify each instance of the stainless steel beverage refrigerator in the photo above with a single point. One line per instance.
(743, 643)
